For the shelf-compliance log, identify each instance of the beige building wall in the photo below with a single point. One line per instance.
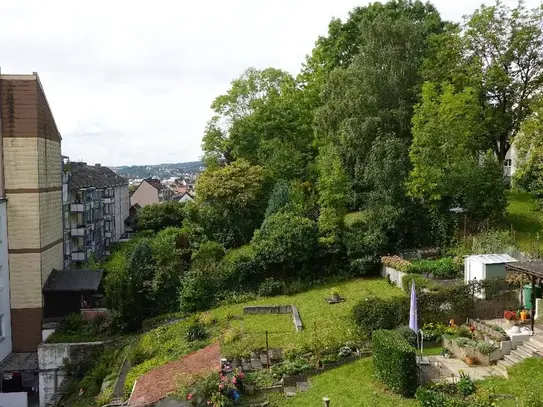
(32, 163)
(145, 194)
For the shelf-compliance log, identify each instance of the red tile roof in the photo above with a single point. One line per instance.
(158, 383)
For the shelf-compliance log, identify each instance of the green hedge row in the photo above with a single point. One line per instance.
(395, 363)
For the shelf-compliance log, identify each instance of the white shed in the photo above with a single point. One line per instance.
(483, 266)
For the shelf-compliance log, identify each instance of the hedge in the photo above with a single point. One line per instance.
(420, 283)
(394, 360)
(440, 268)
(374, 313)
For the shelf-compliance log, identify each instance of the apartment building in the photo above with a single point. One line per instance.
(30, 146)
(95, 207)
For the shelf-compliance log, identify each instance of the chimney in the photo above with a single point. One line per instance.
(97, 165)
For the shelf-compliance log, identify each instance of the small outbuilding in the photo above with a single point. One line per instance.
(485, 266)
(69, 291)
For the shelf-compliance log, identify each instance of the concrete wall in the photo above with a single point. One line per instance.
(145, 194)
(51, 361)
(14, 399)
(395, 276)
(5, 312)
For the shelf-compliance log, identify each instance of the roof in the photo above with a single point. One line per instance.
(73, 280)
(160, 382)
(533, 268)
(18, 362)
(154, 182)
(493, 258)
(93, 176)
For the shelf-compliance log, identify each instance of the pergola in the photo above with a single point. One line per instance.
(532, 269)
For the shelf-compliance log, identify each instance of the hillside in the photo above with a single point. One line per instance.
(158, 170)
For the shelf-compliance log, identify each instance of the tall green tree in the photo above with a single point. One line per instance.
(232, 201)
(374, 96)
(160, 216)
(498, 52)
(264, 119)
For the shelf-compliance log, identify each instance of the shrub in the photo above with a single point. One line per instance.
(421, 283)
(196, 332)
(408, 334)
(395, 362)
(485, 348)
(240, 269)
(372, 314)
(270, 287)
(294, 367)
(205, 318)
(465, 385)
(441, 268)
(196, 292)
(396, 262)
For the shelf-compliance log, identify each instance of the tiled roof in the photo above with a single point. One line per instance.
(154, 182)
(73, 280)
(160, 382)
(88, 176)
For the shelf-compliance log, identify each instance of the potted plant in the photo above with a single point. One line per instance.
(470, 355)
(335, 294)
(446, 353)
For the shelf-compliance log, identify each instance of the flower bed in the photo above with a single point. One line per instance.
(493, 332)
(442, 268)
(485, 353)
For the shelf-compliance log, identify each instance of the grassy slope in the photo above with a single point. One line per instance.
(524, 215)
(349, 385)
(331, 322)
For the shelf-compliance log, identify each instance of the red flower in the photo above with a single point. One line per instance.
(189, 396)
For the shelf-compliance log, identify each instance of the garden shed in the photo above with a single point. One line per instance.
(484, 266)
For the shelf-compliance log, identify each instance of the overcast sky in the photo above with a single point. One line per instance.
(131, 82)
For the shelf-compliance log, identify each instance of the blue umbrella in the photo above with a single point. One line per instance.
(413, 323)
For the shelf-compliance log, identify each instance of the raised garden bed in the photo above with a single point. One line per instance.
(463, 352)
(489, 330)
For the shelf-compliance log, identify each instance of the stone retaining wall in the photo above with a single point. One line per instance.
(277, 309)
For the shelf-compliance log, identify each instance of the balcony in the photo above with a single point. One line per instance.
(107, 235)
(79, 207)
(80, 255)
(109, 217)
(107, 242)
(79, 231)
(109, 200)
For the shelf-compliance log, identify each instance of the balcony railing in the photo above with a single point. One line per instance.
(79, 207)
(109, 217)
(80, 255)
(107, 235)
(109, 200)
(79, 231)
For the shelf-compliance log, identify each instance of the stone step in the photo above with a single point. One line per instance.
(529, 347)
(512, 358)
(537, 341)
(503, 365)
(302, 386)
(290, 391)
(521, 353)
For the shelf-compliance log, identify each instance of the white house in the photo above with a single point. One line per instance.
(185, 197)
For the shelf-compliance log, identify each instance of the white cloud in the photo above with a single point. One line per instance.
(131, 82)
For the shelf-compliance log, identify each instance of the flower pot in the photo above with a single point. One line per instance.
(470, 361)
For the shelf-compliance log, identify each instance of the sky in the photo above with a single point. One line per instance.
(131, 82)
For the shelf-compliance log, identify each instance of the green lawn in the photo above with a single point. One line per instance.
(349, 385)
(526, 219)
(525, 379)
(327, 324)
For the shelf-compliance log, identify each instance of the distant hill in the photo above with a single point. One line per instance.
(159, 170)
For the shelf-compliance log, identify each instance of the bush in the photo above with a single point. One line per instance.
(485, 348)
(395, 362)
(396, 262)
(240, 269)
(196, 292)
(442, 268)
(421, 283)
(196, 332)
(270, 287)
(372, 314)
(408, 334)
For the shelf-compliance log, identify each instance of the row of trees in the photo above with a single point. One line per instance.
(396, 114)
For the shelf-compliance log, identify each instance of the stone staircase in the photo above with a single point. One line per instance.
(532, 348)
